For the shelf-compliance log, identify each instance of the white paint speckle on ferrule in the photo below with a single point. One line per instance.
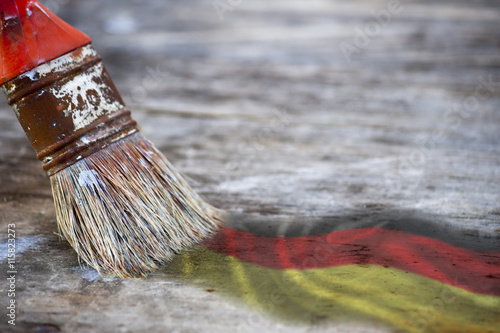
(86, 97)
(60, 64)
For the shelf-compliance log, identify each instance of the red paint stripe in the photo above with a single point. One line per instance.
(477, 271)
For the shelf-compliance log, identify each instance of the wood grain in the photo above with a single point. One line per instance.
(268, 118)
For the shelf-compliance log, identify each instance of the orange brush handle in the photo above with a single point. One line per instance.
(31, 35)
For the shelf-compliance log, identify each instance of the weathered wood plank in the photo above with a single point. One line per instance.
(267, 117)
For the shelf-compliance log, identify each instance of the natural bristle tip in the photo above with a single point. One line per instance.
(125, 210)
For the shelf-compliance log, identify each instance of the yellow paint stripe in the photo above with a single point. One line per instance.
(374, 294)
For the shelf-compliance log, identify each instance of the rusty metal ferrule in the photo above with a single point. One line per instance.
(69, 108)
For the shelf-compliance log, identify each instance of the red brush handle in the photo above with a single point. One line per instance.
(61, 93)
(31, 35)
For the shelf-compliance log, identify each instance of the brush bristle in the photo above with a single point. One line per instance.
(125, 210)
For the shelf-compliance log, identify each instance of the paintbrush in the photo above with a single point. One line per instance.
(119, 202)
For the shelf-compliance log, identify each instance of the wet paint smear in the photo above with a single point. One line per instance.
(374, 276)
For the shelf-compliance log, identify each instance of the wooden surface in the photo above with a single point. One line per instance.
(268, 117)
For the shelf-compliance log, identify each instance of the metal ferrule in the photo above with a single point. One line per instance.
(69, 108)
